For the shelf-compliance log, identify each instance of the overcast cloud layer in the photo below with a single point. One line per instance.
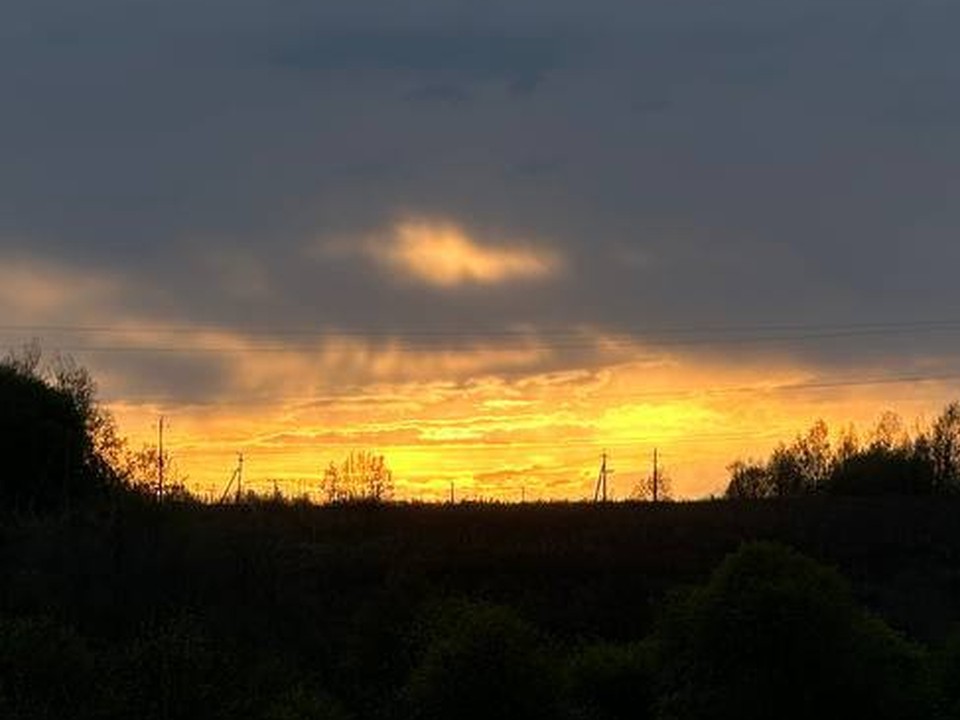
(643, 166)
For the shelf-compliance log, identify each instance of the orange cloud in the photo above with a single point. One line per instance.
(443, 255)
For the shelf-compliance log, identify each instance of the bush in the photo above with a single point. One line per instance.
(174, 670)
(947, 668)
(774, 634)
(301, 703)
(481, 662)
(46, 671)
(608, 681)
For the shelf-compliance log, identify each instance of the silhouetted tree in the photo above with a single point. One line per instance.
(848, 444)
(889, 433)
(892, 463)
(786, 472)
(47, 438)
(944, 448)
(803, 466)
(659, 488)
(140, 470)
(879, 470)
(749, 480)
(361, 476)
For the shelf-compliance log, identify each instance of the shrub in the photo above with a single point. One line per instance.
(608, 681)
(46, 670)
(774, 634)
(174, 670)
(301, 703)
(480, 662)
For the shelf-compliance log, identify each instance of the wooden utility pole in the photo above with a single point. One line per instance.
(236, 476)
(239, 477)
(600, 491)
(160, 460)
(656, 477)
(452, 493)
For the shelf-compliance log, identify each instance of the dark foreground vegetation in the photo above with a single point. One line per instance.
(273, 610)
(116, 605)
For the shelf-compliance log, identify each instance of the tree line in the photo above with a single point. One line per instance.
(62, 448)
(890, 461)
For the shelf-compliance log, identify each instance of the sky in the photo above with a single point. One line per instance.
(488, 240)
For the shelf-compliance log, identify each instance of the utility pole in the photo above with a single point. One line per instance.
(452, 493)
(600, 492)
(160, 459)
(239, 476)
(656, 477)
(236, 476)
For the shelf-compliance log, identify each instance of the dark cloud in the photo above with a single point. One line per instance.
(697, 164)
(466, 54)
(443, 93)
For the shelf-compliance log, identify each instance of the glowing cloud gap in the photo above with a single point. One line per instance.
(443, 255)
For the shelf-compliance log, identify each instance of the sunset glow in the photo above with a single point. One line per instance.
(529, 434)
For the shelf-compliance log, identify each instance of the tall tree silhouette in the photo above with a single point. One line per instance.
(945, 448)
(58, 445)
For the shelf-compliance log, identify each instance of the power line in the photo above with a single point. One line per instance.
(677, 394)
(517, 329)
(547, 338)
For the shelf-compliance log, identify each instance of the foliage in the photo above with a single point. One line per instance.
(609, 681)
(175, 670)
(139, 470)
(879, 470)
(654, 488)
(947, 674)
(891, 463)
(47, 439)
(362, 476)
(44, 668)
(774, 634)
(750, 479)
(302, 703)
(482, 661)
(281, 611)
(944, 448)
